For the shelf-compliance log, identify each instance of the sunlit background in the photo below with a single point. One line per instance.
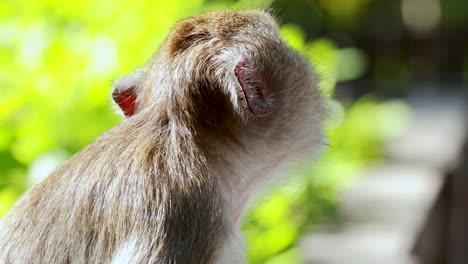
(395, 72)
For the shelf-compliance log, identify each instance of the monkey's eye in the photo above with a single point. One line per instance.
(254, 89)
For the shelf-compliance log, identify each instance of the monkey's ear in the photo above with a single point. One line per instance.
(255, 89)
(124, 93)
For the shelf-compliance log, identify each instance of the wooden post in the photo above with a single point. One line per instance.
(444, 237)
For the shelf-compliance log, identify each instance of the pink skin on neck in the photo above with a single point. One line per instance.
(240, 206)
(245, 195)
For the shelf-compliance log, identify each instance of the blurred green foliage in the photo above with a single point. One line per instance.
(57, 60)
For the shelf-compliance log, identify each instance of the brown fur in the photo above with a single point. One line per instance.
(170, 176)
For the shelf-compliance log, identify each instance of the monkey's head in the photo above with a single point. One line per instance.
(229, 75)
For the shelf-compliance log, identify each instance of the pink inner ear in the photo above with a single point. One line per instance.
(126, 100)
(241, 75)
(254, 88)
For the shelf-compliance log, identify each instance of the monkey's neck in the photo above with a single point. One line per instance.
(179, 151)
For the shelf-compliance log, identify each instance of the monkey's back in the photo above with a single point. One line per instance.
(112, 193)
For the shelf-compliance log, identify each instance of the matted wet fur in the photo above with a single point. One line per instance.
(221, 105)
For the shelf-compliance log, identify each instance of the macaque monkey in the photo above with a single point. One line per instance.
(222, 104)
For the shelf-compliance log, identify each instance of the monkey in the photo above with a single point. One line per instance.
(221, 106)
